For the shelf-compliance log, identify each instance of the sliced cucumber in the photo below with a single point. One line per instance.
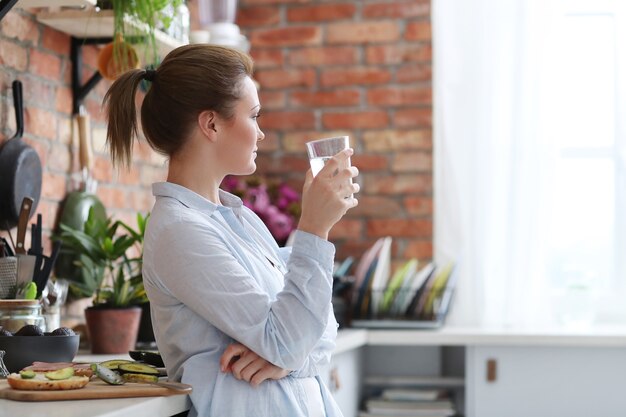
(130, 377)
(138, 368)
(114, 363)
(107, 375)
(60, 374)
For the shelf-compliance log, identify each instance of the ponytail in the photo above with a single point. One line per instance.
(119, 103)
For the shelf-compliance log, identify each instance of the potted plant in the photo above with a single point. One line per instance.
(109, 260)
(147, 16)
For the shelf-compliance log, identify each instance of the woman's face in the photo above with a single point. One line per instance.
(238, 136)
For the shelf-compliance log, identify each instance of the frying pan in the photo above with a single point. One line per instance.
(20, 169)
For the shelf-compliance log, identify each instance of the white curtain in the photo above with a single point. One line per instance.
(494, 122)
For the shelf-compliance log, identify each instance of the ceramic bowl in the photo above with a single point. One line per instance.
(22, 351)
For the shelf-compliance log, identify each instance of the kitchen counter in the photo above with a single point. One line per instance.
(138, 407)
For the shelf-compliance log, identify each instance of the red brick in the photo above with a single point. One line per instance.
(279, 78)
(398, 53)
(53, 185)
(397, 140)
(399, 228)
(284, 120)
(40, 122)
(354, 76)
(55, 41)
(397, 9)
(419, 206)
(63, 100)
(112, 197)
(419, 249)
(42, 148)
(45, 65)
(102, 170)
(399, 96)
(22, 28)
(418, 31)
(13, 56)
(267, 58)
(323, 55)
(141, 201)
(39, 91)
(414, 72)
(272, 99)
(128, 176)
(257, 16)
(59, 158)
(398, 184)
(364, 120)
(369, 162)
(270, 143)
(354, 248)
(375, 206)
(335, 98)
(362, 32)
(290, 36)
(412, 162)
(413, 117)
(321, 12)
(90, 58)
(346, 229)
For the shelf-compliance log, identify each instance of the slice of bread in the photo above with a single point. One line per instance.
(41, 383)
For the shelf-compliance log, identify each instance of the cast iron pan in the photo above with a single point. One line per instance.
(20, 169)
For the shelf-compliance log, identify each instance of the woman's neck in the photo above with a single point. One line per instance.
(196, 177)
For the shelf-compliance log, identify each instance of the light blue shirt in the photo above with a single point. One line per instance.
(214, 276)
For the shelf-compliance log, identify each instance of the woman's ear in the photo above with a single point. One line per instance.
(206, 123)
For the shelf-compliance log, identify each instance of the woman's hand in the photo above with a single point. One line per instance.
(327, 196)
(248, 366)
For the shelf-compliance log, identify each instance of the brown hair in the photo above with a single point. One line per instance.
(190, 80)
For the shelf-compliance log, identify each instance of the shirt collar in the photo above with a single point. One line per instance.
(194, 200)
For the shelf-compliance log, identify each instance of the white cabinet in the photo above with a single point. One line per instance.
(344, 380)
(545, 381)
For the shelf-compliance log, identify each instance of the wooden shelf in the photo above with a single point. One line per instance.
(99, 24)
(27, 4)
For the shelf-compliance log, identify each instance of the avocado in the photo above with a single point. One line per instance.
(29, 330)
(114, 363)
(28, 374)
(59, 374)
(138, 368)
(63, 331)
(130, 377)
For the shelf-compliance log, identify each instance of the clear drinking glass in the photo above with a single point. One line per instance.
(322, 150)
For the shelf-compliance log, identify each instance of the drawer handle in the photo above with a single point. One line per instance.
(492, 367)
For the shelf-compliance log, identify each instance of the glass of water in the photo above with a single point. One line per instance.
(322, 150)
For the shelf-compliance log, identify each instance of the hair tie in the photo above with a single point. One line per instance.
(149, 75)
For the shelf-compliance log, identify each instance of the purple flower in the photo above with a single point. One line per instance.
(277, 204)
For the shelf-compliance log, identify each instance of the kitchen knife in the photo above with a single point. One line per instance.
(25, 263)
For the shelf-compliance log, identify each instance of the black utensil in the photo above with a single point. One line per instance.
(48, 264)
(20, 169)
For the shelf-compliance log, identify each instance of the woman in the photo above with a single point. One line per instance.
(248, 324)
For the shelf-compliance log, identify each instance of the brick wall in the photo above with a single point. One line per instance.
(39, 57)
(325, 67)
(361, 68)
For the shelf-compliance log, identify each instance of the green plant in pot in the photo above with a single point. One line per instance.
(109, 260)
(148, 17)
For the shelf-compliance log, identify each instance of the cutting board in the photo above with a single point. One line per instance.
(93, 390)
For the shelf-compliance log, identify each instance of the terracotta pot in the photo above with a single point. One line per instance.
(112, 330)
(117, 57)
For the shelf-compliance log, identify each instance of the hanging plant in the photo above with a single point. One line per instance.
(149, 16)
